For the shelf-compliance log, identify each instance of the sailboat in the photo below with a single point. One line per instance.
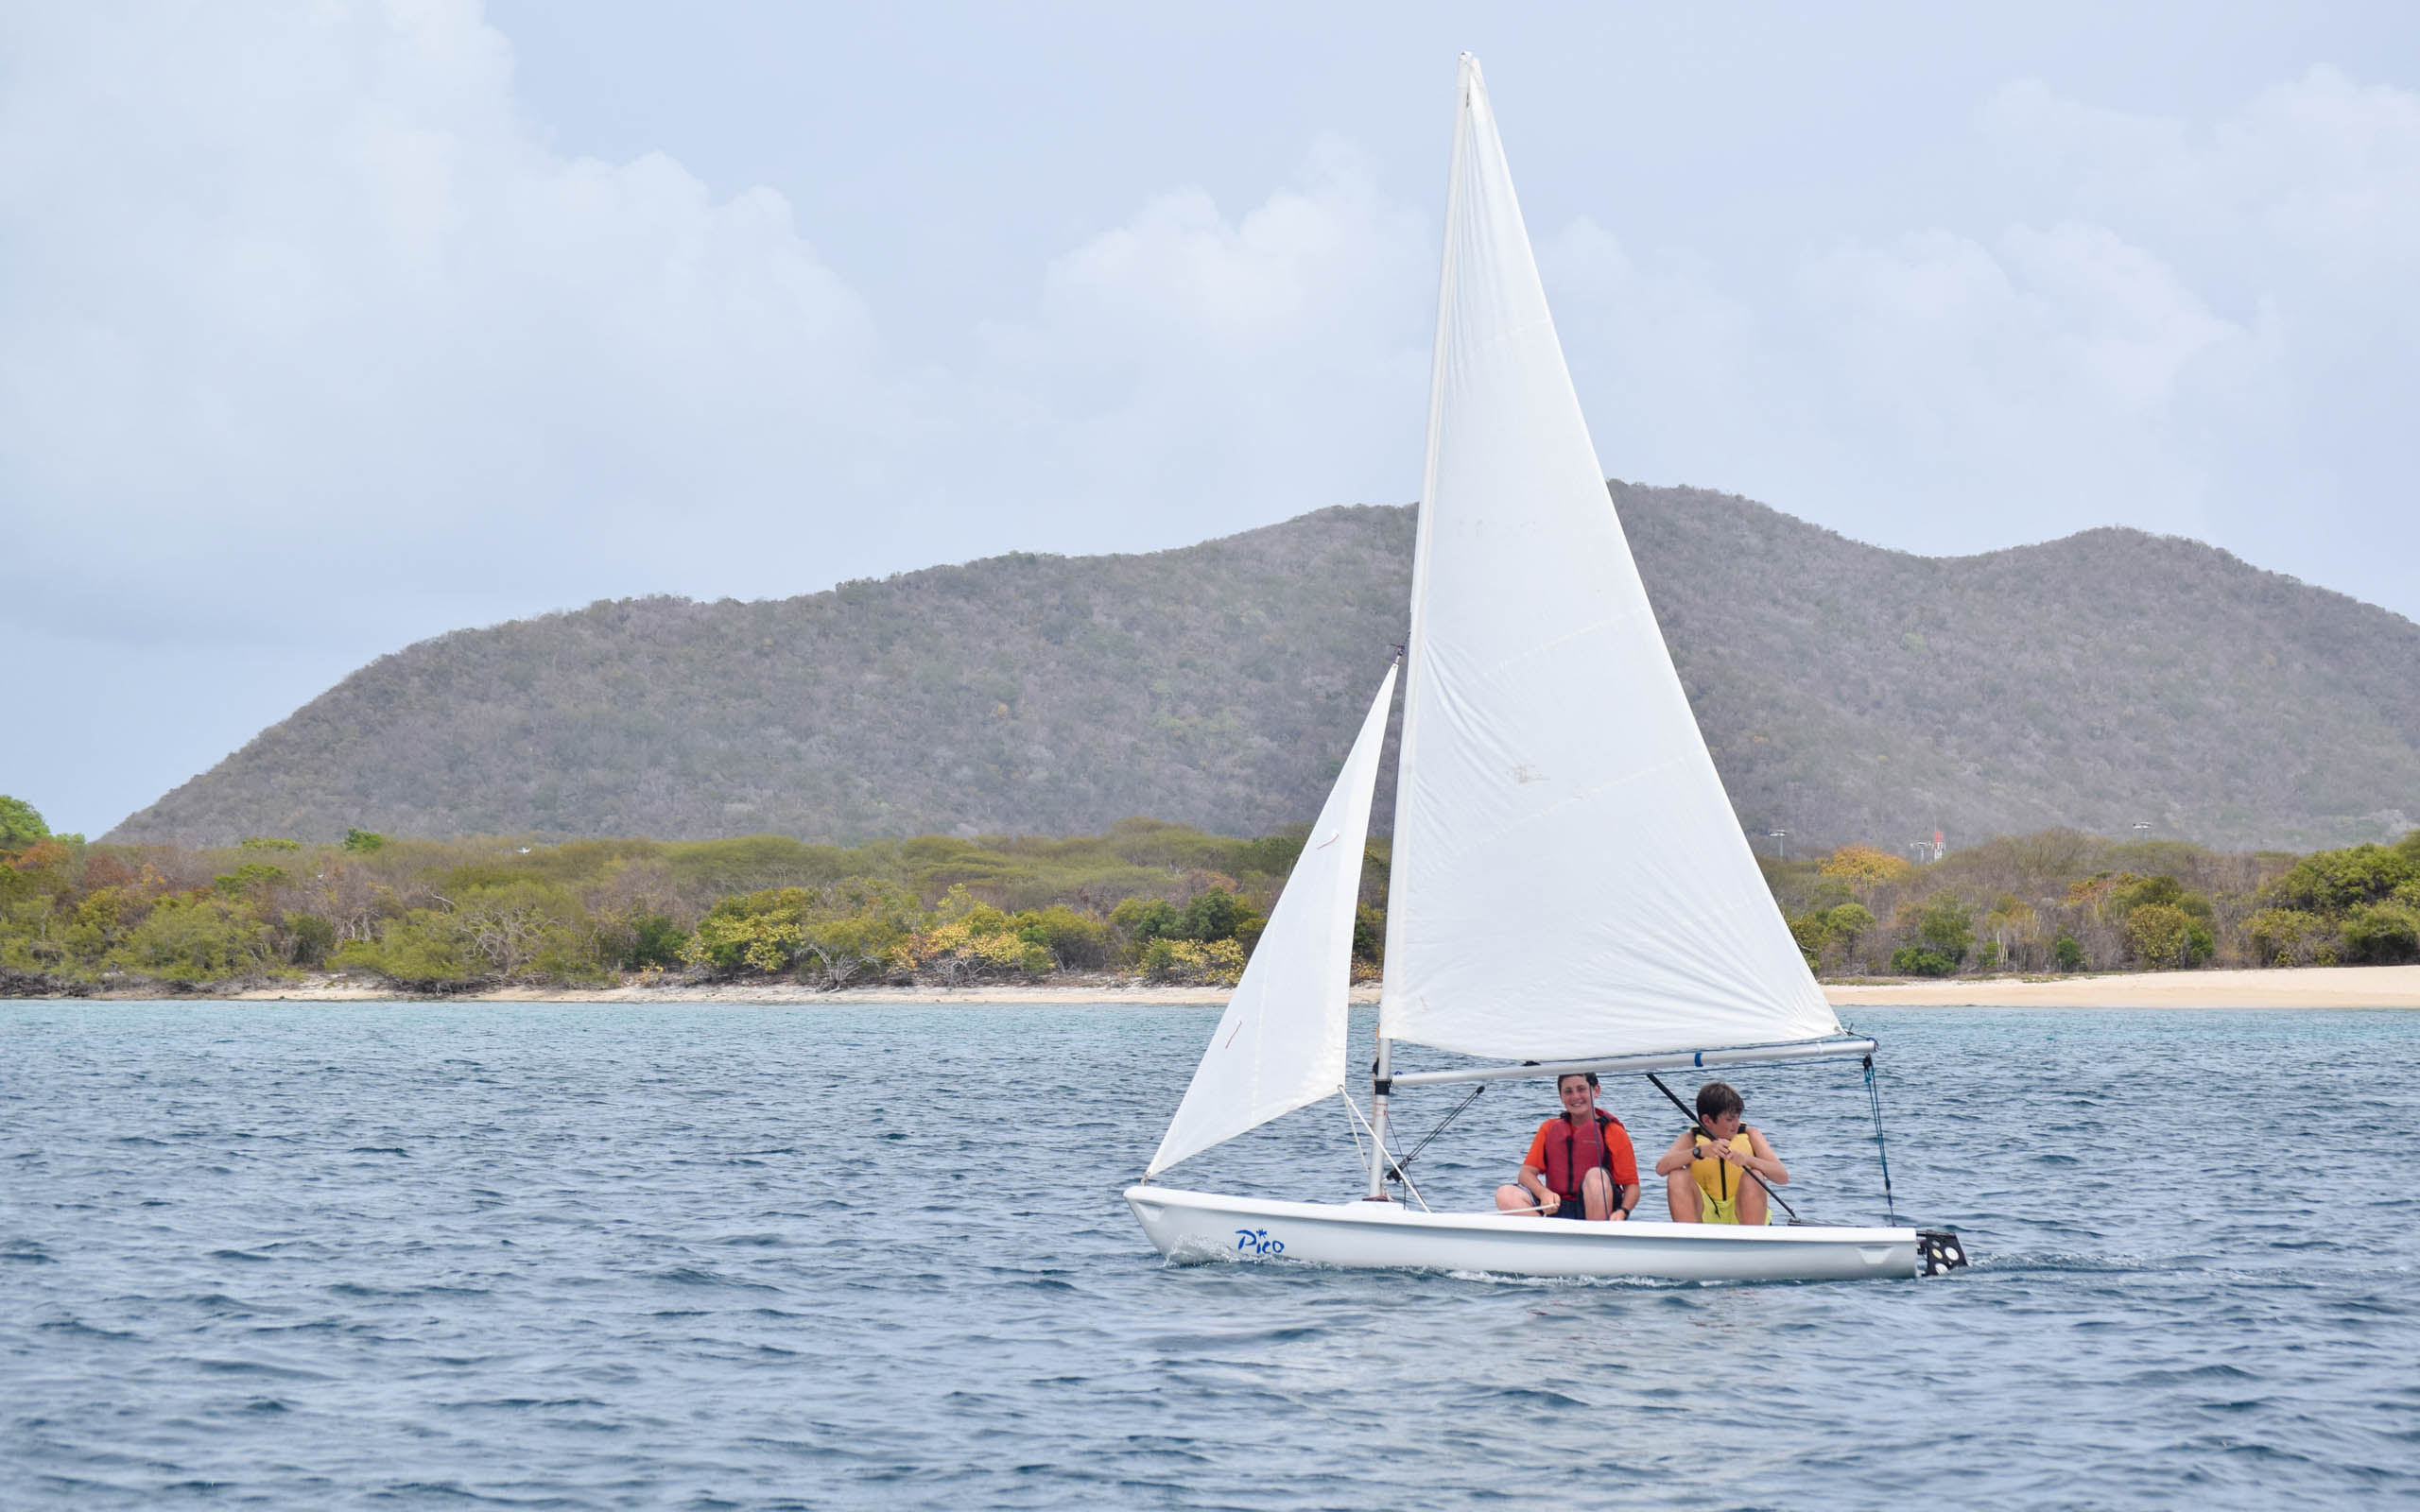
(1570, 888)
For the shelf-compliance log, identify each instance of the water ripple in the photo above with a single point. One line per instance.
(410, 1255)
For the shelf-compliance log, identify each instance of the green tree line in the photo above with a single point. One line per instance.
(1148, 901)
(2062, 901)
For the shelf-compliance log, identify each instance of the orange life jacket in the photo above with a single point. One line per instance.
(1564, 1171)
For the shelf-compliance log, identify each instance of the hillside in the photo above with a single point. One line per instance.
(1848, 692)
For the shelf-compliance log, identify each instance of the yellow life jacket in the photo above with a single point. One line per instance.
(1716, 1177)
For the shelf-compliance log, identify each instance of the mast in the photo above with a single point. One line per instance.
(1381, 1084)
(1416, 639)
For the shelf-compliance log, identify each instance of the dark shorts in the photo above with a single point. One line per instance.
(1575, 1208)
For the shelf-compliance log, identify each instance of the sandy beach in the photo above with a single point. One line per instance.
(2337, 987)
(781, 994)
(2308, 986)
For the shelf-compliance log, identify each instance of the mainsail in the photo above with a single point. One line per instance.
(1569, 878)
(1280, 1045)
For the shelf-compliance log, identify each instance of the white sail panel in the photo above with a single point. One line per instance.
(1568, 878)
(1280, 1045)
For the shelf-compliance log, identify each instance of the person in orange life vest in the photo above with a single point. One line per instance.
(1706, 1170)
(1580, 1165)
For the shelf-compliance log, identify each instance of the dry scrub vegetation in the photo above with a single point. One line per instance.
(1147, 900)
(2062, 901)
(1159, 901)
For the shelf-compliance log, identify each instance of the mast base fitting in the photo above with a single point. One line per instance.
(1939, 1252)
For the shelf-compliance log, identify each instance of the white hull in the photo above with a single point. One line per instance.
(1193, 1227)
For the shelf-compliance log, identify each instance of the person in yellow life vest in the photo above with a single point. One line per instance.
(1707, 1171)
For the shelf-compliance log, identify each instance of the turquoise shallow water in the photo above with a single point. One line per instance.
(402, 1255)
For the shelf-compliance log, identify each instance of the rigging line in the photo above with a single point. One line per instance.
(1452, 1114)
(1696, 1123)
(1356, 1108)
(1352, 1111)
(1874, 1094)
(1395, 1167)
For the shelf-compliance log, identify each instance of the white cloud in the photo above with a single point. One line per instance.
(1294, 273)
(2173, 324)
(1668, 360)
(310, 335)
(2115, 318)
(296, 294)
(1925, 391)
(1185, 361)
(2319, 167)
(2047, 366)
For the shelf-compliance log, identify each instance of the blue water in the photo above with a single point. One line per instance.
(558, 1256)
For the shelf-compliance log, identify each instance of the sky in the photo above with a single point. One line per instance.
(328, 327)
